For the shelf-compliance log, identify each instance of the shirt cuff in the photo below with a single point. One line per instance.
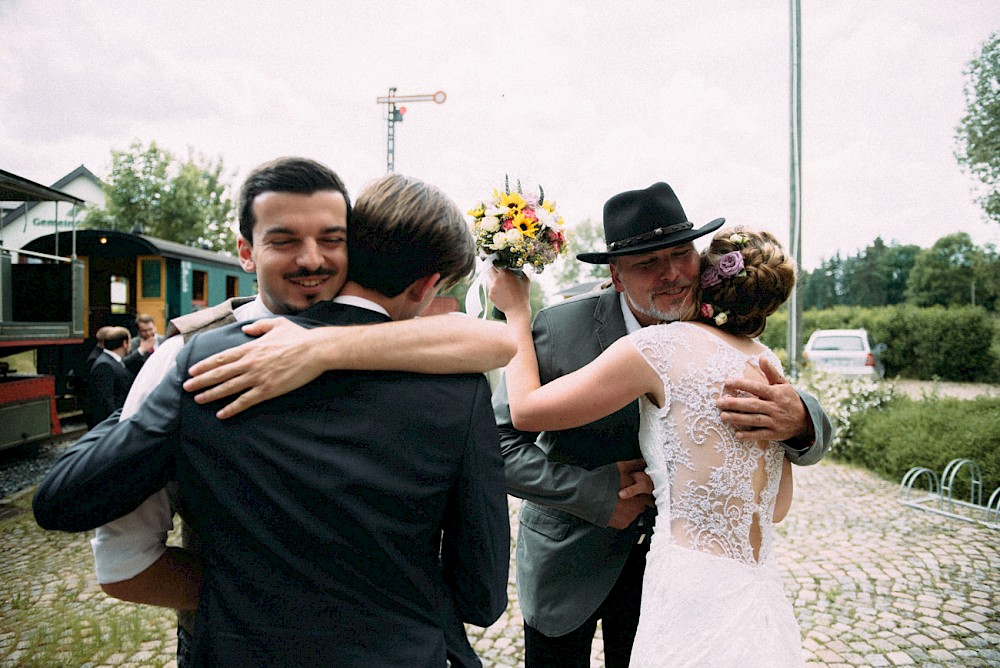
(132, 543)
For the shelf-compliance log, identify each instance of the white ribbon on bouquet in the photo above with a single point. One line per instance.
(477, 296)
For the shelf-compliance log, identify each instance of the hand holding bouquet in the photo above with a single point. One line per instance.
(518, 229)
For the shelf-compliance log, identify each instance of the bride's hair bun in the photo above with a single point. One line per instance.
(757, 291)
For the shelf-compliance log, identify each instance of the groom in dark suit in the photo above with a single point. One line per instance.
(357, 521)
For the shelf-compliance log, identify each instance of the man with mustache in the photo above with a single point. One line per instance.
(581, 547)
(293, 219)
(357, 522)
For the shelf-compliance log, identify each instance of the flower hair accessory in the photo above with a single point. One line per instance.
(738, 240)
(707, 311)
(729, 265)
(518, 229)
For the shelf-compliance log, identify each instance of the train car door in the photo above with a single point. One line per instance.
(112, 292)
(152, 290)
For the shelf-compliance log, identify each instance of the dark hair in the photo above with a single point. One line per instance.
(404, 229)
(286, 175)
(116, 338)
(756, 292)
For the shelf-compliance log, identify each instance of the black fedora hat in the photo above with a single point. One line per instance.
(639, 221)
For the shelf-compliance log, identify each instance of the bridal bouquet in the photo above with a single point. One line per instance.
(518, 229)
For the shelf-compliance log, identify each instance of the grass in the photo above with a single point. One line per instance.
(51, 615)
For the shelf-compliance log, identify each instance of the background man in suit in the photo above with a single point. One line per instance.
(581, 548)
(109, 380)
(293, 216)
(83, 374)
(357, 521)
(143, 345)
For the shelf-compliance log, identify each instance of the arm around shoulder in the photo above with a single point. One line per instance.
(451, 343)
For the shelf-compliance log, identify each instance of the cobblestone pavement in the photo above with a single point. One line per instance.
(873, 583)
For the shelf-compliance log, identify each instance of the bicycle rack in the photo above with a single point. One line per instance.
(939, 497)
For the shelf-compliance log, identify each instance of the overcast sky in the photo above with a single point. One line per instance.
(587, 98)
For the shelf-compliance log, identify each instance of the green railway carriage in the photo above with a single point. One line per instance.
(59, 289)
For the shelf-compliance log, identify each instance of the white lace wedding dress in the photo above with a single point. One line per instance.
(708, 600)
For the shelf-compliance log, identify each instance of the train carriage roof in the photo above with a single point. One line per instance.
(110, 243)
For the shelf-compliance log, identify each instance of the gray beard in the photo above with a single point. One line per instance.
(674, 314)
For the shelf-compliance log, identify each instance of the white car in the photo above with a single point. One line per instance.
(847, 351)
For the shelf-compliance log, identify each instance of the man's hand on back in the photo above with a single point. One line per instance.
(775, 412)
(269, 367)
(634, 495)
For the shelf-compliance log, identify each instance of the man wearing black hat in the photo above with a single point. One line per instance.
(581, 549)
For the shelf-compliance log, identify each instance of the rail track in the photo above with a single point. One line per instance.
(23, 466)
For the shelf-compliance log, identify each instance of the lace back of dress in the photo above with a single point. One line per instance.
(722, 490)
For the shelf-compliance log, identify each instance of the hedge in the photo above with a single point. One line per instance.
(930, 432)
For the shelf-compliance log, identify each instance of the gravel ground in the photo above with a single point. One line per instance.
(917, 388)
(26, 465)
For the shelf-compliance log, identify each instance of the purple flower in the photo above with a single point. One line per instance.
(710, 277)
(730, 264)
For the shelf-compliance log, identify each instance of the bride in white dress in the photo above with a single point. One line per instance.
(712, 595)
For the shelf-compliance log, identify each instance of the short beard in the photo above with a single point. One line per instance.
(675, 313)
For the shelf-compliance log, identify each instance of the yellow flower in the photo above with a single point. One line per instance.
(478, 211)
(526, 225)
(513, 202)
(549, 206)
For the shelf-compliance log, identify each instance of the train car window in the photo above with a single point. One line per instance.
(199, 288)
(232, 287)
(119, 294)
(151, 285)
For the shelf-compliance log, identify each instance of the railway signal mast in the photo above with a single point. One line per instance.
(395, 115)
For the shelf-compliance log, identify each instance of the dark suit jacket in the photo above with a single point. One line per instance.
(567, 557)
(356, 521)
(135, 358)
(107, 388)
(82, 384)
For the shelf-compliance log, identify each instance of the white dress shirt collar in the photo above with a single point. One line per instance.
(361, 302)
(631, 324)
(252, 310)
(118, 358)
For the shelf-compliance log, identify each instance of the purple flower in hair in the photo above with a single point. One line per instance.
(730, 264)
(710, 277)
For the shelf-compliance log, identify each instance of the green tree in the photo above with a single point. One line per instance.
(864, 278)
(978, 133)
(149, 191)
(943, 274)
(820, 287)
(585, 236)
(897, 263)
(986, 277)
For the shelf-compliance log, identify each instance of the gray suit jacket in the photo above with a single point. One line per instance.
(568, 558)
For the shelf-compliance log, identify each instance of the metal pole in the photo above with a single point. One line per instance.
(395, 115)
(795, 185)
(390, 146)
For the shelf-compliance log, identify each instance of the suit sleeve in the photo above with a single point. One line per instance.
(810, 453)
(134, 361)
(588, 494)
(475, 549)
(115, 466)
